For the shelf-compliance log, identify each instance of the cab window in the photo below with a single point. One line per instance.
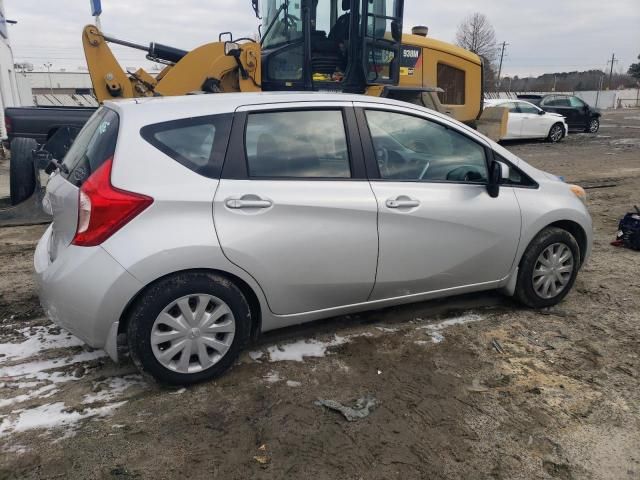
(452, 81)
(410, 148)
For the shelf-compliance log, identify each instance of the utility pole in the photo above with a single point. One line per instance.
(612, 61)
(504, 45)
(48, 66)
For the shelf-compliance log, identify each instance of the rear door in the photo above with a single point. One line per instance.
(95, 144)
(294, 208)
(438, 227)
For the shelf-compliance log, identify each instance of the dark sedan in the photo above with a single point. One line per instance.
(580, 116)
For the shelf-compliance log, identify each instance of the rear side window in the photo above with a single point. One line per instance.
(94, 145)
(302, 144)
(197, 143)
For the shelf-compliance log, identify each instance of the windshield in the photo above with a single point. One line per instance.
(281, 22)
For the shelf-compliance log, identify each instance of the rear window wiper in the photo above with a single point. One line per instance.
(56, 165)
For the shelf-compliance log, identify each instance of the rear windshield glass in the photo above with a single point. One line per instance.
(197, 143)
(95, 144)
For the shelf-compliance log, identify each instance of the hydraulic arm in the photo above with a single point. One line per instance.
(213, 67)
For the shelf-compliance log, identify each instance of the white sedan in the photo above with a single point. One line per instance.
(528, 121)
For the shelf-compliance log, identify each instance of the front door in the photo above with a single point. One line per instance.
(534, 125)
(294, 209)
(438, 227)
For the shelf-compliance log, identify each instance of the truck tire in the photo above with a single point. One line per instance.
(22, 174)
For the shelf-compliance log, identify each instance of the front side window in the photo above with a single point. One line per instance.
(526, 108)
(196, 143)
(576, 102)
(557, 102)
(297, 144)
(415, 149)
(452, 81)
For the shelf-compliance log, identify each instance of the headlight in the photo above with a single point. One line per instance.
(579, 192)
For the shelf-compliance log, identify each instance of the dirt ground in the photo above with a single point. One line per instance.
(468, 387)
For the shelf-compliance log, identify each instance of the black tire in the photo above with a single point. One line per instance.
(160, 294)
(593, 126)
(525, 291)
(22, 174)
(556, 133)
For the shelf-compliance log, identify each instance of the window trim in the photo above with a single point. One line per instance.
(373, 168)
(148, 134)
(236, 165)
(533, 184)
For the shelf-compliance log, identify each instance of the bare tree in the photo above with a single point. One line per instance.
(476, 34)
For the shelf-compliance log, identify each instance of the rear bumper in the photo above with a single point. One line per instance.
(84, 291)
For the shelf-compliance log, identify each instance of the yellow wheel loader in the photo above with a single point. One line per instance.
(354, 46)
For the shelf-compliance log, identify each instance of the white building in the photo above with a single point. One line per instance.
(14, 89)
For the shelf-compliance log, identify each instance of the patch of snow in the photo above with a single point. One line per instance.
(272, 377)
(178, 392)
(297, 351)
(435, 329)
(37, 339)
(37, 370)
(387, 330)
(43, 392)
(256, 355)
(113, 389)
(19, 449)
(51, 415)
(293, 384)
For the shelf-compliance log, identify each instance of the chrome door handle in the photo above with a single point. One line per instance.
(397, 203)
(237, 203)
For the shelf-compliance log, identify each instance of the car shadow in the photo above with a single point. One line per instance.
(437, 310)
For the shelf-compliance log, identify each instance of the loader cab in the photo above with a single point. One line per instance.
(334, 45)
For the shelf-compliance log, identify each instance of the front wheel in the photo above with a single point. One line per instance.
(594, 126)
(556, 133)
(188, 328)
(548, 268)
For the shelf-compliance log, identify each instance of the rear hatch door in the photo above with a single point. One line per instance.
(95, 144)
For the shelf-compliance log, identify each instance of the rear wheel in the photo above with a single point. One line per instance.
(548, 268)
(594, 126)
(556, 133)
(188, 328)
(22, 174)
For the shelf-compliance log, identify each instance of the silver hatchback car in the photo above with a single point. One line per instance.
(191, 224)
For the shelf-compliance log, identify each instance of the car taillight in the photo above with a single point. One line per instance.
(104, 209)
(8, 126)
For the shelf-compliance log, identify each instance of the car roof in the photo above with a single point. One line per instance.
(229, 102)
(147, 110)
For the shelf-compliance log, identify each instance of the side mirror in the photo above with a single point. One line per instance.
(541, 112)
(396, 31)
(498, 173)
(231, 49)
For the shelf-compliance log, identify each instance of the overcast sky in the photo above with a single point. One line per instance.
(543, 35)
